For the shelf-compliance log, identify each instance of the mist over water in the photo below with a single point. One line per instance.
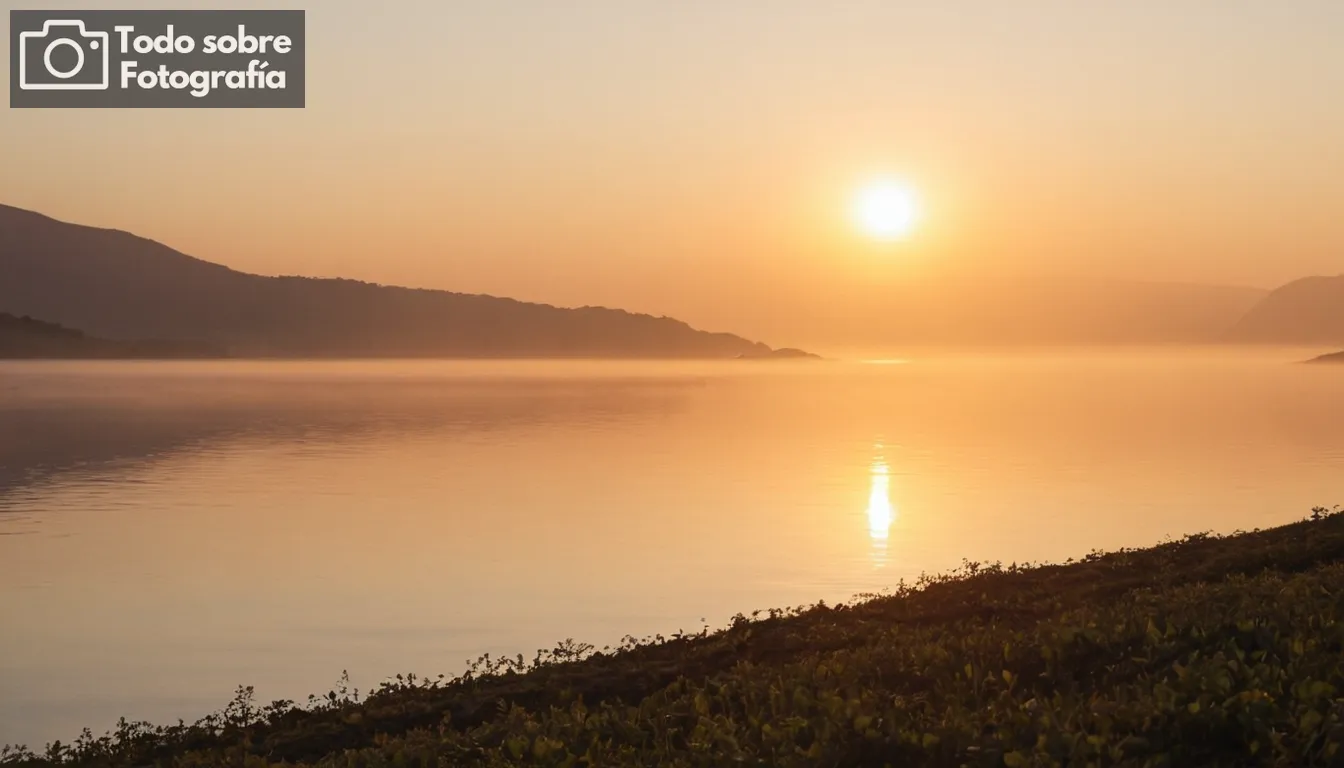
(171, 530)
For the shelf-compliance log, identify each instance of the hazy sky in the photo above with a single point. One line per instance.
(698, 157)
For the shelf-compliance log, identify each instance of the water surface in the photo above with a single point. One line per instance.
(171, 530)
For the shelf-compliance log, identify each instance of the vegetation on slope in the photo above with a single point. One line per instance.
(1206, 651)
(26, 337)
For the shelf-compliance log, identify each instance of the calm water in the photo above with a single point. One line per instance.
(168, 531)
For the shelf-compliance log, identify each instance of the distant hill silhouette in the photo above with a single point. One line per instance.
(982, 308)
(25, 337)
(1306, 311)
(789, 353)
(1334, 358)
(119, 286)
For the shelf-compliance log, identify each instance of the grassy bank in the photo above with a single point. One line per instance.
(1207, 651)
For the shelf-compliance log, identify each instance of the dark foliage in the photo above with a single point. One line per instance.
(27, 337)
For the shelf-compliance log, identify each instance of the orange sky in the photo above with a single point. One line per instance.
(698, 158)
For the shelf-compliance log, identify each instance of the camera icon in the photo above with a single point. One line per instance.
(45, 58)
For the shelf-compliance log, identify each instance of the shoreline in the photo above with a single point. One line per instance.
(913, 677)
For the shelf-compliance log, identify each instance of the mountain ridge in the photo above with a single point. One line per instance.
(1333, 358)
(118, 285)
(1309, 310)
(122, 286)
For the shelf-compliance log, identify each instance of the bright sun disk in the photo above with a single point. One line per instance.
(887, 210)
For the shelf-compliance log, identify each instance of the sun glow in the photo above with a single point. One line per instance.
(887, 210)
(880, 512)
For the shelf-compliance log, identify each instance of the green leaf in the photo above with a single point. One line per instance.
(541, 748)
(701, 703)
(1016, 759)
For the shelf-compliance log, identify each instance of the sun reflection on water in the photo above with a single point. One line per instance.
(881, 514)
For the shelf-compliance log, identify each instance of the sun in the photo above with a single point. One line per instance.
(887, 210)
